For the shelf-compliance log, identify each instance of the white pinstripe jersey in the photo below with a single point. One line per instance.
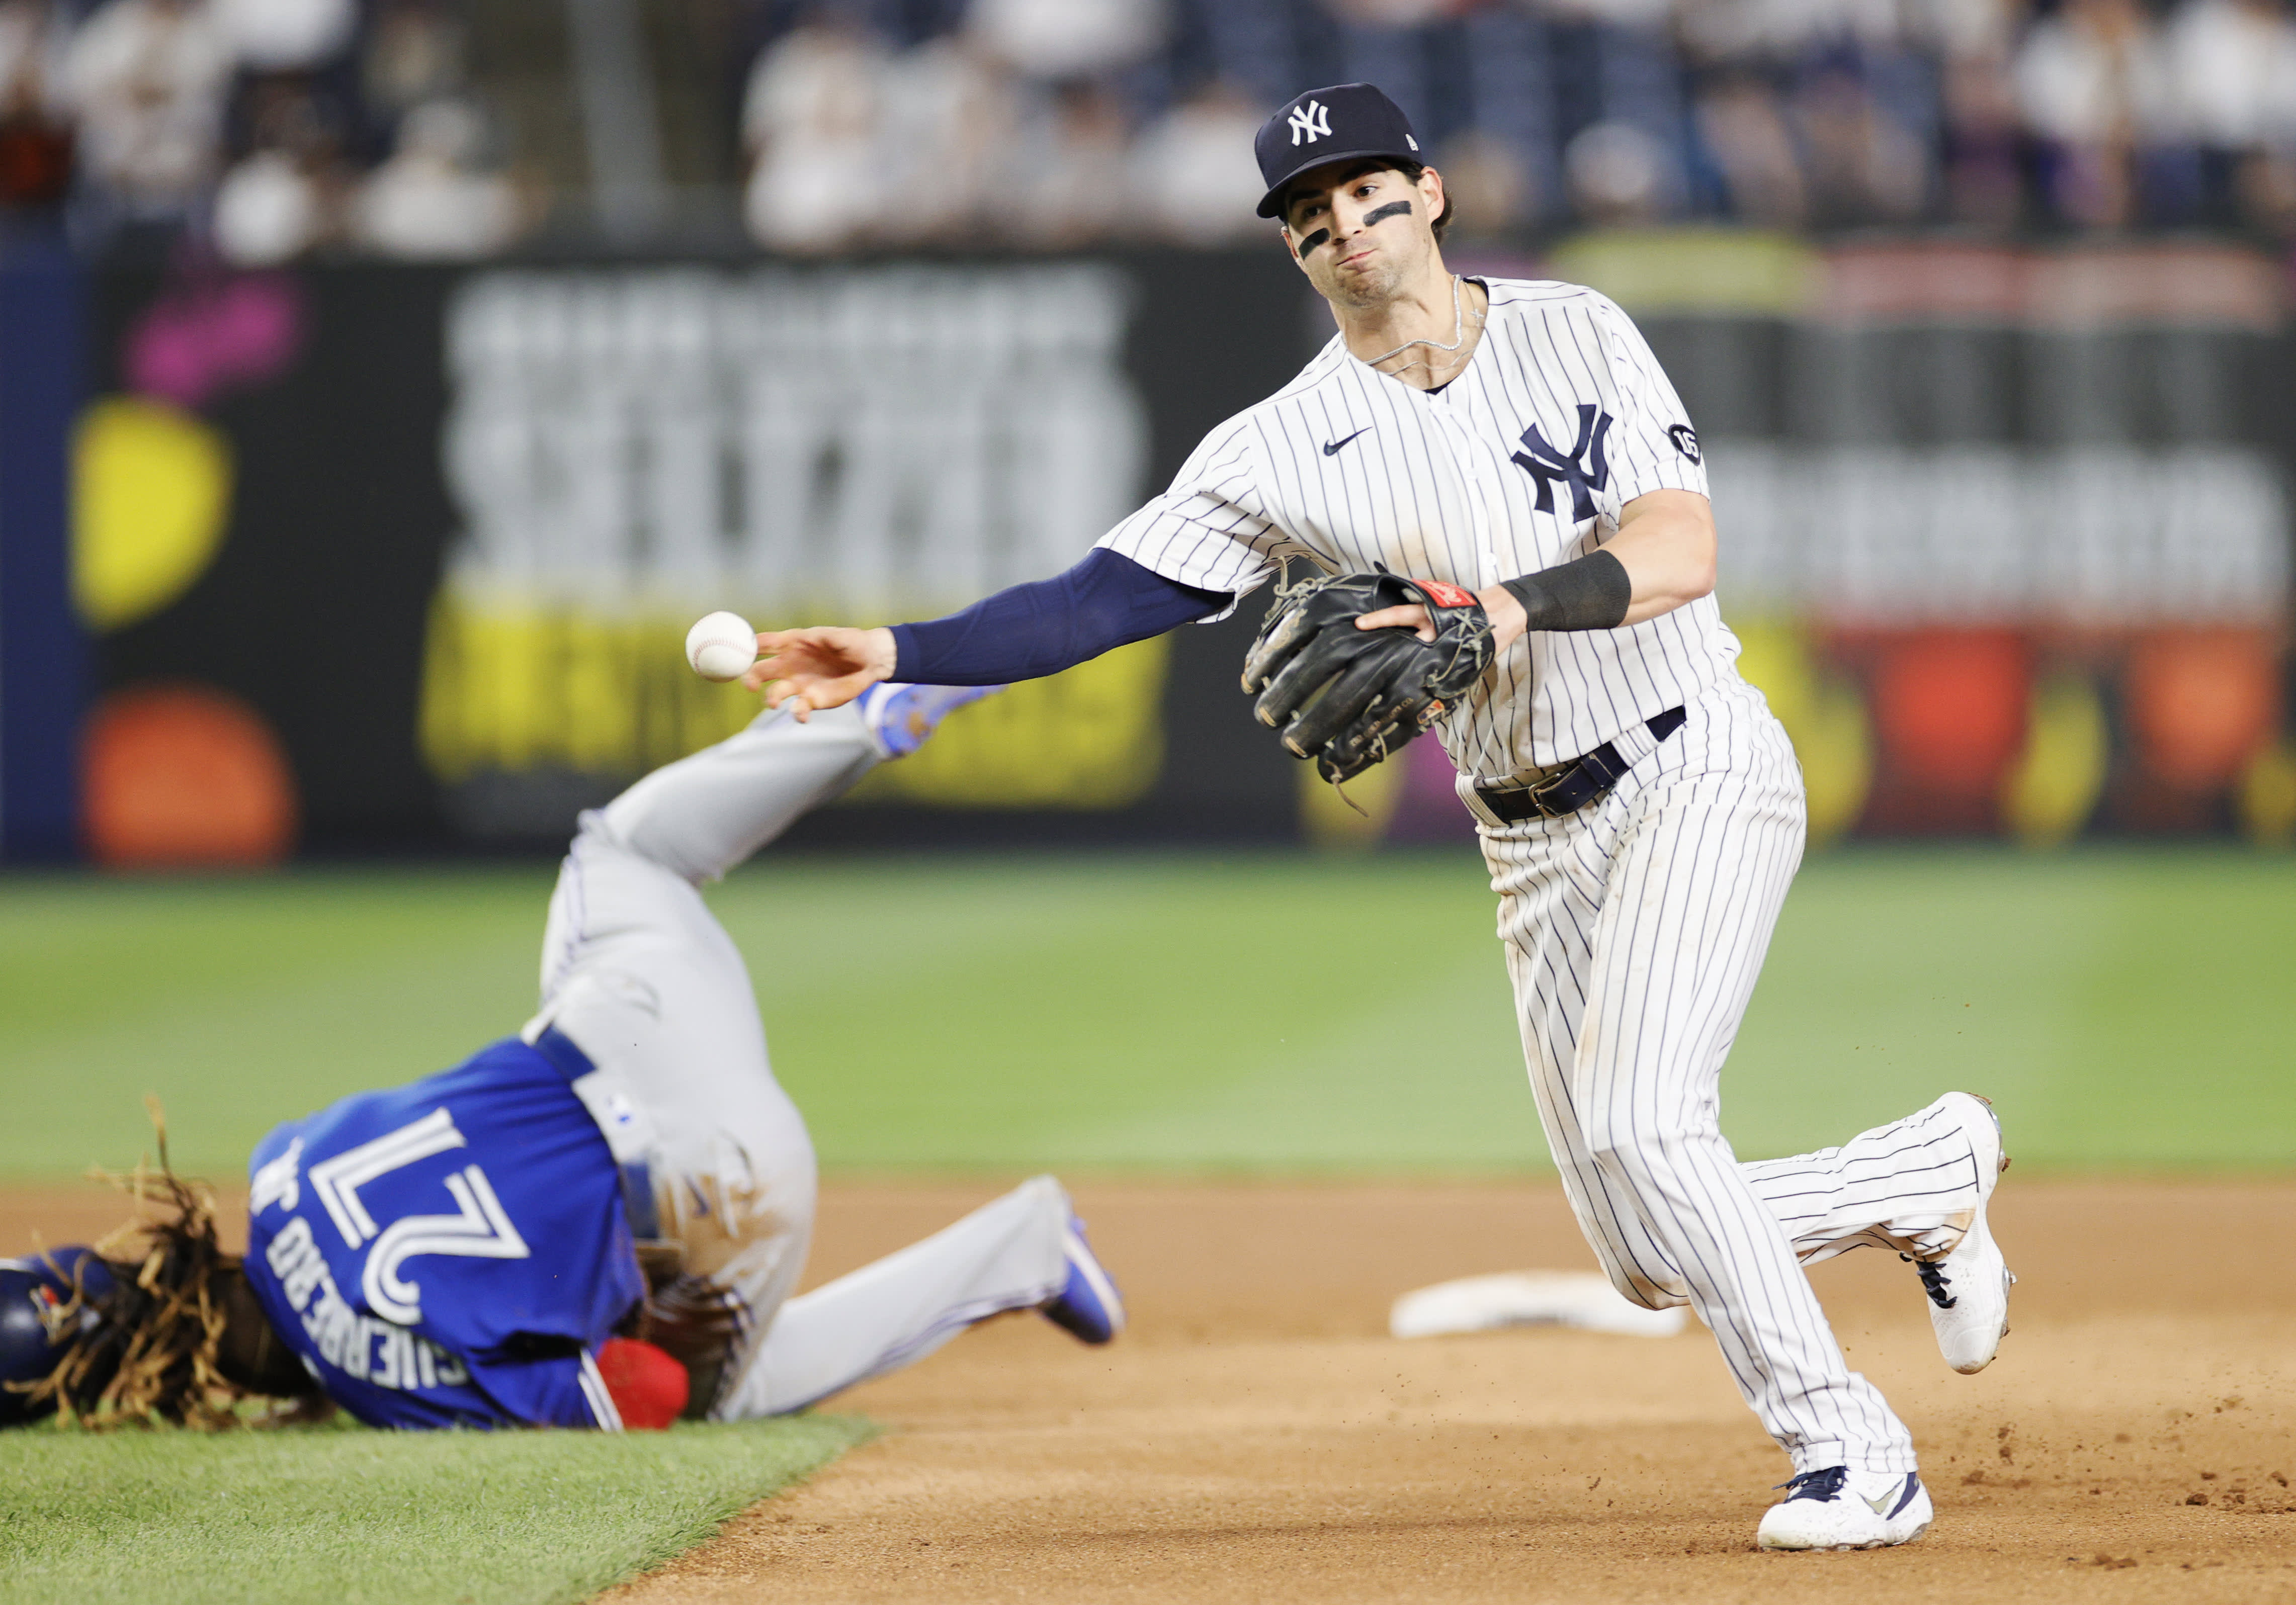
(1521, 462)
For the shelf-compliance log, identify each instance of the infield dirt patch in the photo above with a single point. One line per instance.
(1255, 1437)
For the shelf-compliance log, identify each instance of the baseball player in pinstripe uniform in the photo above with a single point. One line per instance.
(1515, 446)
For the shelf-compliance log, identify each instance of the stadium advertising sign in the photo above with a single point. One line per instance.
(377, 556)
(451, 528)
(628, 449)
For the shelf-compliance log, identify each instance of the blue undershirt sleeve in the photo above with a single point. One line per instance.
(1029, 631)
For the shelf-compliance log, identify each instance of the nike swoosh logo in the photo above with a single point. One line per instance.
(1897, 1499)
(1332, 448)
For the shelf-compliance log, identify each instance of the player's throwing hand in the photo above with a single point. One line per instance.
(820, 667)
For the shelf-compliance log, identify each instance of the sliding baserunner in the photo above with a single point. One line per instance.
(596, 1222)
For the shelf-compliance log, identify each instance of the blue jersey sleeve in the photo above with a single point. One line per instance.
(1027, 632)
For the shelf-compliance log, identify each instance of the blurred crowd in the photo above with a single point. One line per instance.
(279, 126)
(270, 126)
(1065, 122)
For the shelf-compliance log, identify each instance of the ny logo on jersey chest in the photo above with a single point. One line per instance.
(1583, 468)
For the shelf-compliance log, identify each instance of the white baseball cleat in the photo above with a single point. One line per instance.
(1969, 1288)
(1841, 1509)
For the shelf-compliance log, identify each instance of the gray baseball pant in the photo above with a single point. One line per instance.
(639, 975)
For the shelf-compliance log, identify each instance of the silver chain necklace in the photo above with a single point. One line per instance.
(1458, 336)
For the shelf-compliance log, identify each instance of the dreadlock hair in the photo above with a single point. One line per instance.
(173, 1341)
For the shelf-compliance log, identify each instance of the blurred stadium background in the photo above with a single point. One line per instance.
(385, 384)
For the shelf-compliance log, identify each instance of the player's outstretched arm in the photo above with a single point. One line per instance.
(820, 667)
(1022, 633)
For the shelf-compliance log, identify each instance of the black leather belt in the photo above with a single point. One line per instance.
(1576, 783)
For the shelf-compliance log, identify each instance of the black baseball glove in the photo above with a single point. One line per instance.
(1345, 696)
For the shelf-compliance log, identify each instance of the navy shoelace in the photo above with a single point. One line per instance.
(1821, 1485)
(1934, 1282)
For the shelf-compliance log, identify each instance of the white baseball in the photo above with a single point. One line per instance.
(721, 646)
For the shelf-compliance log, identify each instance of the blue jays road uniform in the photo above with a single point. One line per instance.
(450, 1253)
(457, 1253)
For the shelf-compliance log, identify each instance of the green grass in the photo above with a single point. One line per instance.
(338, 1517)
(1198, 1011)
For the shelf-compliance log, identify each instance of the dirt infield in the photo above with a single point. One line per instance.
(1255, 1437)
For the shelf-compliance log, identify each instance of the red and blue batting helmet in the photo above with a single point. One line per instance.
(37, 1324)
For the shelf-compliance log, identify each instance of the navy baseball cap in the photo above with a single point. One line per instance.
(1346, 122)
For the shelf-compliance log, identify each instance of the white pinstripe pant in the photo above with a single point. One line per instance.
(1635, 930)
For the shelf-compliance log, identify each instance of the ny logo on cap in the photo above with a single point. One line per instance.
(1310, 121)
